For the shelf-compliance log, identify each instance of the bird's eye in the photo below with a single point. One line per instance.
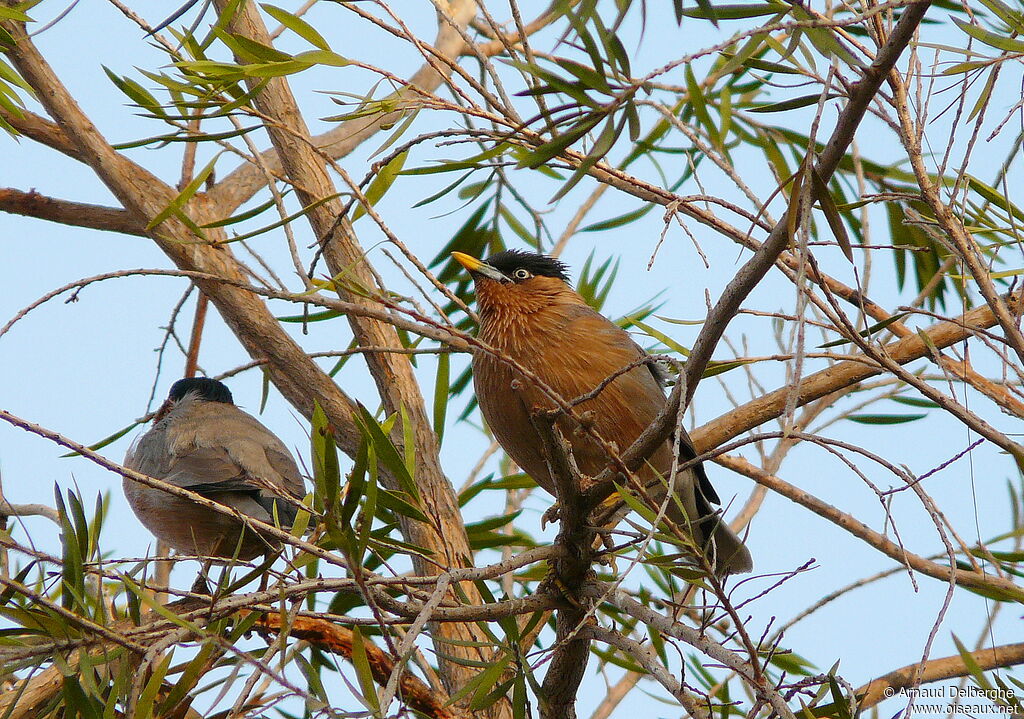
(522, 274)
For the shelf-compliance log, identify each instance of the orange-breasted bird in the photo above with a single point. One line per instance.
(202, 442)
(530, 314)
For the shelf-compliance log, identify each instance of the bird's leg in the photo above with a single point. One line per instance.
(551, 514)
(202, 585)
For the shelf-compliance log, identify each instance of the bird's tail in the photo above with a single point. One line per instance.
(722, 546)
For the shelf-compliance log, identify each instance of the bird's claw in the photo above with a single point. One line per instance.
(552, 515)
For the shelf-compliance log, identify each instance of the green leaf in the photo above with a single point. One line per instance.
(482, 683)
(285, 221)
(661, 337)
(322, 57)
(176, 205)
(792, 104)
(916, 402)
(603, 144)
(699, 105)
(635, 504)
(241, 216)
(326, 471)
(620, 220)
(474, 162)
(885, 418)
(587, 75)
(732, 12)
(386, 452)
(297, 25)
(250, 51)
(106, 440)
(835, 220)
(138, 94)
(549, 150)
(381, 183)
(987, 37)
(363, 672)
(13, 13)
(144, 708)
(441, 389)
(997, 198)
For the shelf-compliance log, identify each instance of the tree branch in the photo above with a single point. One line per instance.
(844, 375)
(241, 184)
(575, 539)
(338, 640)
(861, 94)
(875, 691)
(970, 579)
(445, 534)
(144, 196)
(66, 212)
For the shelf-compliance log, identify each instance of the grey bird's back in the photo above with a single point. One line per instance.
(213, 448)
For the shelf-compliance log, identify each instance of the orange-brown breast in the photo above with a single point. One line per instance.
(548, 329)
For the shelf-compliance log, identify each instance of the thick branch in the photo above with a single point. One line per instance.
(973, 580)
(1007, 655)
(45, 132)
(572, 648)
(144, 197)
(338, 640)
(77, 214)
(843, 375)
(244, 182)
(445, 535)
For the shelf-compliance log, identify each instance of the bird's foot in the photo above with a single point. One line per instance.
(551, 515)
(555, 586)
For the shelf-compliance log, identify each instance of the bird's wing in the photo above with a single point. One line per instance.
(218, 447)
(621, 349)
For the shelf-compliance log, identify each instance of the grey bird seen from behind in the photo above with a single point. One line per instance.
(202, 442)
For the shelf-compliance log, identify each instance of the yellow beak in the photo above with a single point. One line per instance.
(468, 261)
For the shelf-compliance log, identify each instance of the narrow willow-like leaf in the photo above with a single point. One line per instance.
(699, 105)
(733, 12)
(992, 39)
(877, 327)
(363, 672)
(250, 50)
(441, 388)
(828, 206)
(602, 145)
(381, 183)
(326, 471)
(144, 708)
(473, 162)
(619, 221)
(106, 440)
(297, 25)
(661, 337)
(791, 104)
(386, 452)
(286, 220)
(174, 207)
(885, 418)
(555, 147)
(408, 117)
(136, 92)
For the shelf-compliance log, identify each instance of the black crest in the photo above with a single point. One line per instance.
(209, 389)
(509, 261)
